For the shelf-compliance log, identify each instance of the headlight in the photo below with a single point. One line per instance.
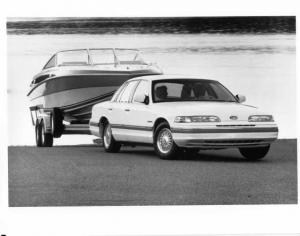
(260, 118)
(190, 119)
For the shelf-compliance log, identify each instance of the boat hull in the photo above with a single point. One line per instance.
(75, 104)
(75, 94)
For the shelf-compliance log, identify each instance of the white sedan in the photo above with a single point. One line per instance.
(181, 115)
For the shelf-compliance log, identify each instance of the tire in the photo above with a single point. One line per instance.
(254, 154)
(57, 123)
(164, 145)
(109, 143)
(43, 139)
(38, 134)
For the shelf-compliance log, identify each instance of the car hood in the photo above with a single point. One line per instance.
(221, 109)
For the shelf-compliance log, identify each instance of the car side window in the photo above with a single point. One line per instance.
(125, 97)
(121, 92)
(142, 89)
(118, 92)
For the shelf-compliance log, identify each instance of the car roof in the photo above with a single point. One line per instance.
(169, 76)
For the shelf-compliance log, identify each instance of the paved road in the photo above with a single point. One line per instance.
(86, 175)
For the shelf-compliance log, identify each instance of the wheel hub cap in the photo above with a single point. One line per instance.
(107, 136)
(165, 141)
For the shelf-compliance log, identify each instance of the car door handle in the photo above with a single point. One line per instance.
(110, 109)
(127, 109)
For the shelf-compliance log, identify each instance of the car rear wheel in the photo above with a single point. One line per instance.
(255, 153)
(109, 143)
(164, 145)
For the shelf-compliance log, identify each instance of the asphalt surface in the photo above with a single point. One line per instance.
(86, 175)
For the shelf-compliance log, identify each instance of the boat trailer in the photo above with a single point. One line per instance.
(49, 124)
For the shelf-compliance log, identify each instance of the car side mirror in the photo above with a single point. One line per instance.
(142, 98)
(241, 98)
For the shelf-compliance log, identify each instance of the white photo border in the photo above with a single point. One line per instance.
(143, 220)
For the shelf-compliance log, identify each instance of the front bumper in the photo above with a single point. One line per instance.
(225, 136)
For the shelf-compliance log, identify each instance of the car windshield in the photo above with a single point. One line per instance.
(177, 90)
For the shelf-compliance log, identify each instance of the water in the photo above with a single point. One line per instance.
(150, 25)
(260, 66)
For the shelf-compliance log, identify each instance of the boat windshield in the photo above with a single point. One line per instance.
(72, 58)
(102, 56)
(99, 56)
(129, 56)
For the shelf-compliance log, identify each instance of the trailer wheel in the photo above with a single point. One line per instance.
(43, 139)
(38, 134)
(57, 123)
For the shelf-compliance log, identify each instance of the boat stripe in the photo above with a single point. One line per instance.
(91, 101)
(66, 82)
(63, 83)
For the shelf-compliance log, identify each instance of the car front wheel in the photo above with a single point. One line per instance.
(255, 153)
(164, 145)
(109, 143)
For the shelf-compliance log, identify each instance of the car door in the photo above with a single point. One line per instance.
(140, 118)
(113, 107)
(119, 112)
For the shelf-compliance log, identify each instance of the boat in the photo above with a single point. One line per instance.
(75, 80)
(72, 81)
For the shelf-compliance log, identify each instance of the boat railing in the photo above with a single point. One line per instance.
(110, 56)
